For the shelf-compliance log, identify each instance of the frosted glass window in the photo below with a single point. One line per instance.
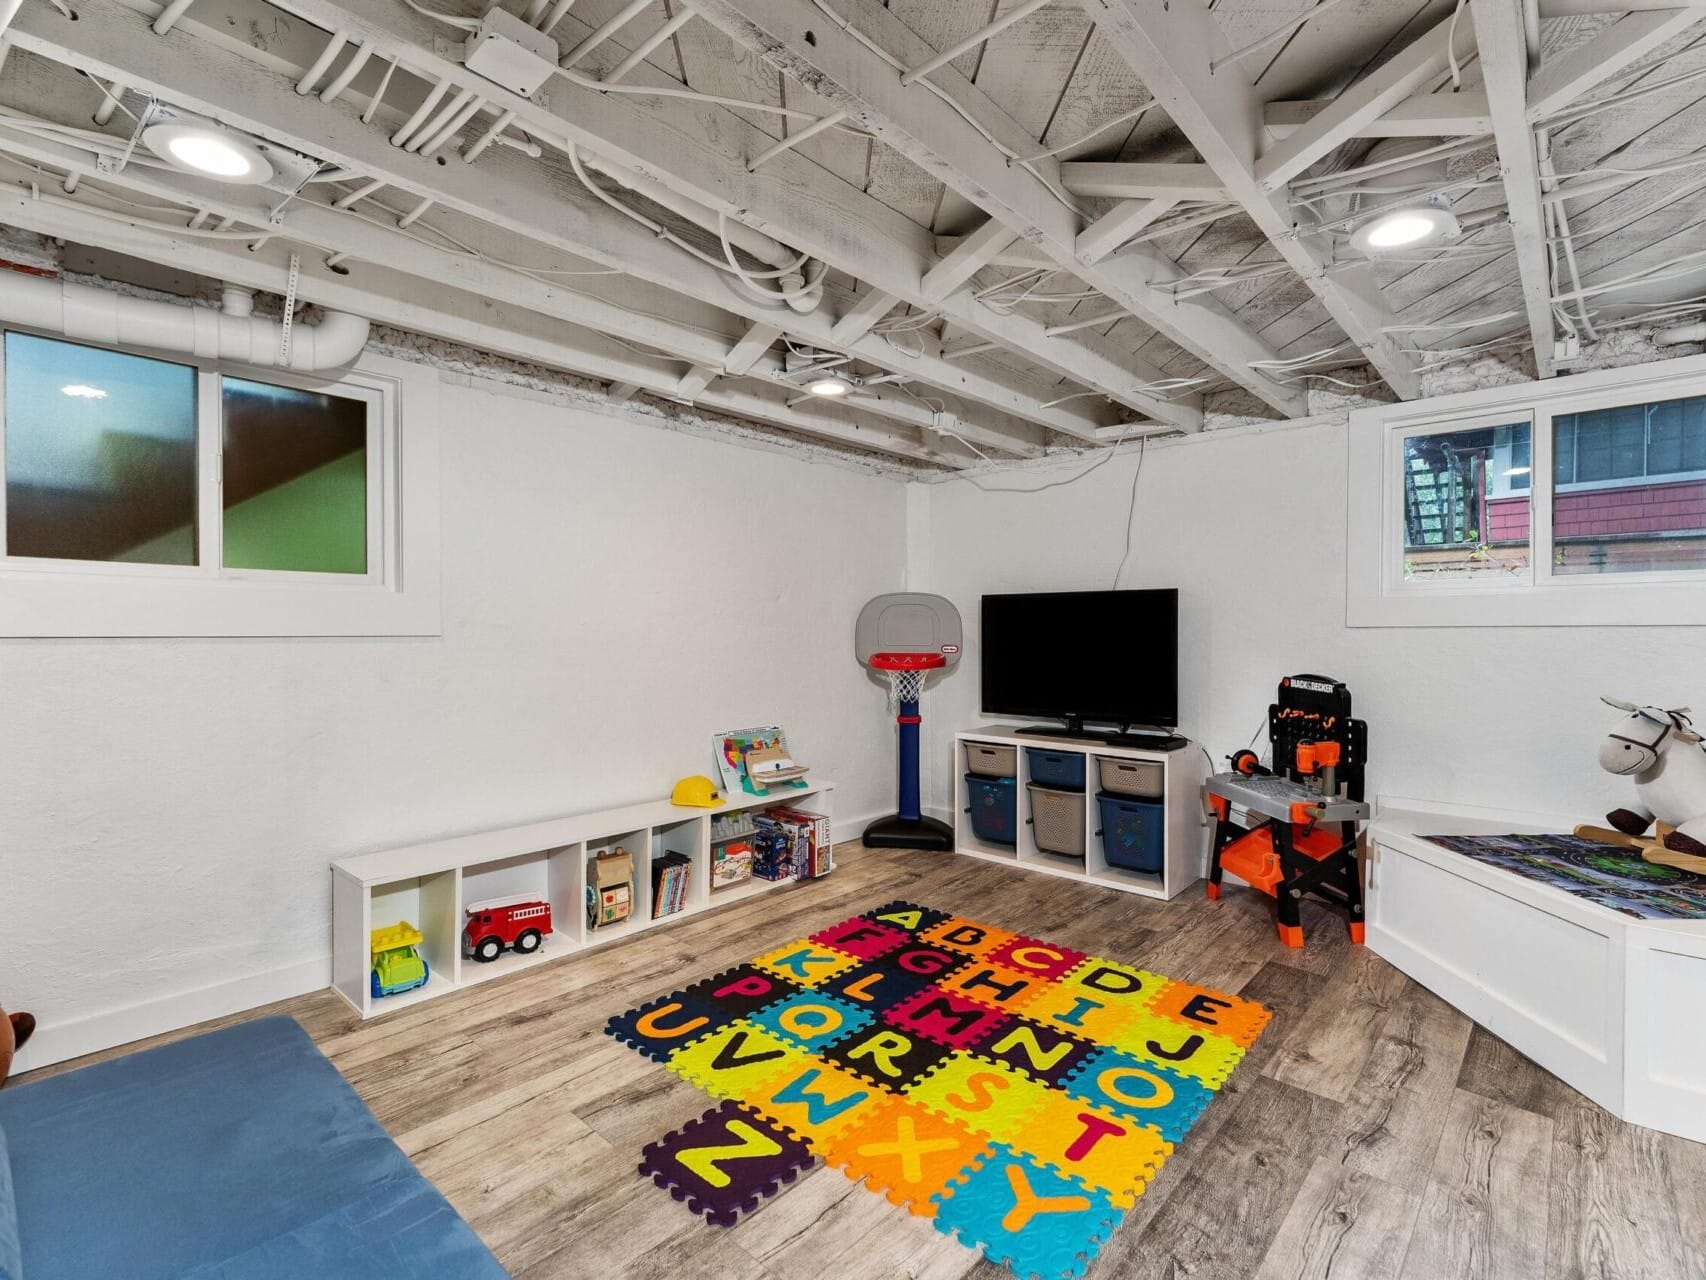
(100, 454)
(295, 495)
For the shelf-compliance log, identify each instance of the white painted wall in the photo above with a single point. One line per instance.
(171, 806)
(1251, 528)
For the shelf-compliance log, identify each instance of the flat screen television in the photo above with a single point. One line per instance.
(1107, 657)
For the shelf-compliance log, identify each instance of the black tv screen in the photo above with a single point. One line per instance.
(1105, 656)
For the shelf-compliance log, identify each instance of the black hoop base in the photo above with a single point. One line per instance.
(897, 832)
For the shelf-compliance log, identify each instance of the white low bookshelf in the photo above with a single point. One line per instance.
(1185, 853)
(430, 884)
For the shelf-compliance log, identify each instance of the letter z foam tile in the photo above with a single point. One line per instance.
(1019, 1093)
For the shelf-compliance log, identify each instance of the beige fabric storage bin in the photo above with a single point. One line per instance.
(1057, 820)
(991, 761)
(1145, 779)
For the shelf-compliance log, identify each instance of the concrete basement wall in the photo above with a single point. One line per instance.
(614, 594)
(1250, 526)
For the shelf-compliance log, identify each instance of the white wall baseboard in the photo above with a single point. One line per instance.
(62, 1041)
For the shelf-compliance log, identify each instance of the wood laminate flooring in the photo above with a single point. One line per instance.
(1373, 1132)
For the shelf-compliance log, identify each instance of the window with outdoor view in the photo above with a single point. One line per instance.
(1629, 488)
(1466, 503)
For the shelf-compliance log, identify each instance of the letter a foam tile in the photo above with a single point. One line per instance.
(726, 1163)
(1022, 1092)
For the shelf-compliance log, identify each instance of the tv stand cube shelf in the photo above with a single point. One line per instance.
(429, 885)
(1185, 848)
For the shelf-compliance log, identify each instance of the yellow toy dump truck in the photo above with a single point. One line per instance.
(397, 962)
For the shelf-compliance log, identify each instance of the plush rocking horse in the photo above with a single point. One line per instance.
(1660, 750)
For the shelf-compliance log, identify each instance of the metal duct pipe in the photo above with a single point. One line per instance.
(1695, 332)
(767, 250)
(84, 313)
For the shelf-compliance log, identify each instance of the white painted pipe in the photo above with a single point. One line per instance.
(169, 16)
(351, 70)
(640, 52)
(1681, 333)
(610, 27)
(86, 314)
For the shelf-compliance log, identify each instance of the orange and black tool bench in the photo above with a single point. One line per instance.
(1302, 830)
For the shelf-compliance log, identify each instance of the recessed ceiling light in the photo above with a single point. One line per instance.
(830, 386)
(81, 392)
(1404, 228)
(208, 149)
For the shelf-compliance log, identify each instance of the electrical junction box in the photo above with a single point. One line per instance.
(506, 51)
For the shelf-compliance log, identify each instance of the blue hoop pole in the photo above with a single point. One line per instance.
(908, 721)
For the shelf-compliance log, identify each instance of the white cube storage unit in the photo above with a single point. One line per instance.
(432, 885)
(1184, 854)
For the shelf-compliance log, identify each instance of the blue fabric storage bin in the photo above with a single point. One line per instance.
(994, 808)
(1064, 769)
(1133, 833)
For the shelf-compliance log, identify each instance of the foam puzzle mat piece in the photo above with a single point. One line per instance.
(972, 937)
(1037, 958)
(887, 1057)
(726, 1163)
(1199, 1008)
(1115, 1154)
(1042, 1224)
(1045, 1054)
(742, 990)
(660, 1027)
(860, 938)
(736, 1060)
(815, 1100)
(813, 1020)
(982, 1096)
(948, 1019)
(906, 1153)
(909, 916)
(995, 986)
(806, 963)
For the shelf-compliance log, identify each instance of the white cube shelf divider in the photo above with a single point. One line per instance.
(1185, 831)
(430, 885)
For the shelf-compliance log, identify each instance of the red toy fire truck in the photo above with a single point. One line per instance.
(519, 923)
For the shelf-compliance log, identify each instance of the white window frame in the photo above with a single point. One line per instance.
(1376, 594)
(397, 596)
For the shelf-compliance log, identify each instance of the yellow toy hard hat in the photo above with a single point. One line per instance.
(697, 791)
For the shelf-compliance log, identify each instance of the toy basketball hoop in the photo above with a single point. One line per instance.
(905, 637)
(906, 672)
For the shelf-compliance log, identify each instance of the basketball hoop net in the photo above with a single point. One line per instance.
(906, 672)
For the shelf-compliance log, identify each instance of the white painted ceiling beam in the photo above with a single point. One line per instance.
(504, 189)
(1591, 8)
(1363, 103)
(969, 256)
(427, 308)
(753, 344)
(1119, 224)
(1170, 48)
(1020, 255)
(701, 152)
(1425, 115)
(1559, 82)
(845, 72)
(694, 381)
(1121, 180)
(861, 317)
(1504, 60)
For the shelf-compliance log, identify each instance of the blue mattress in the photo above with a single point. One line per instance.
(237, 1155)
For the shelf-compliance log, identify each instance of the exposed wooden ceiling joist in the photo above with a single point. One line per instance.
(1560, 82)
(1170, 48)
(1426, 115)
(967, 143)
(1504, 59)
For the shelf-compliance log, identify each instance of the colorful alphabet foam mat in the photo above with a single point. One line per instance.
(1019, 1093)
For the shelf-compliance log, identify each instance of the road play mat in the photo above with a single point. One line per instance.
(1607, 874)
(1019, 1093)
